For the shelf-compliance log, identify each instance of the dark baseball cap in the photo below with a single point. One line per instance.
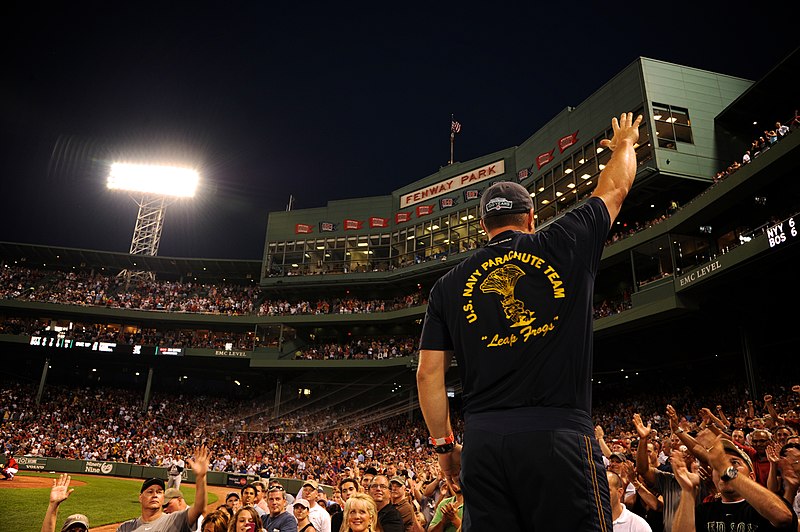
(152, 482)
(505, 197)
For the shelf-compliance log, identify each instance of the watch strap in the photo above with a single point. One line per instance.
(444, 449)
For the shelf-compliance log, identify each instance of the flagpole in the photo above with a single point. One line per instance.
(452, 138)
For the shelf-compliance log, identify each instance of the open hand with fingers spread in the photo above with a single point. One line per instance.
(772, 452)
(60, 491)
(641, 429)
(626, 130)
(681, 471)
(200, 460)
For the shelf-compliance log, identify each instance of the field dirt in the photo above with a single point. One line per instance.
(21, 482)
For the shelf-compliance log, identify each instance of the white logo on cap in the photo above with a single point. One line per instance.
(497, 204)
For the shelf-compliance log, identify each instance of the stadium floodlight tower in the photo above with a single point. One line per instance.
(154, 187)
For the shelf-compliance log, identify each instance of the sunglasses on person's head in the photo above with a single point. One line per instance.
(277, 488)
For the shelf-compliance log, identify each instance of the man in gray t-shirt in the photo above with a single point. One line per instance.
(174, 522)
(151, 497)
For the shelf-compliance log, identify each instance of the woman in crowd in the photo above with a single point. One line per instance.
(301, 508)
(360, 514)
(216, 521)
(242, 520)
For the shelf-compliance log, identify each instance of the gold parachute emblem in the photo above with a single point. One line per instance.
(502, 281)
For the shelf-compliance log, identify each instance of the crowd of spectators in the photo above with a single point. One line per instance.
(759, 145)
(349, 305)
(32, 283)
(109, 291)
(359, 349)
(109, 424)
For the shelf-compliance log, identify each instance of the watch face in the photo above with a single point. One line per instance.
(729, 474)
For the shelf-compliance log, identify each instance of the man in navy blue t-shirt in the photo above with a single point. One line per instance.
(517, 315)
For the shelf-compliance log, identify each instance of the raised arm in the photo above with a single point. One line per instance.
(199, 464)
(773, 482)
(643, 467)
(600, 436)
(649, 499)
(683, 521)
(430, 487)
(59, 493)
(772, 412)
(722, 417)
(766, 503)
(711, 421)
(617, 177)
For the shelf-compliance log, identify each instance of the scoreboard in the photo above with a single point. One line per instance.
(782, 233)
(60, 342)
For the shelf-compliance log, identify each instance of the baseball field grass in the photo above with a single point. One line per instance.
(103, 500)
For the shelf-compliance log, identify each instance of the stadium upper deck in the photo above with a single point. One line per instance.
(703, 276)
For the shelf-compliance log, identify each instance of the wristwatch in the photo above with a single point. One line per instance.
(729, 474)
(444, 449)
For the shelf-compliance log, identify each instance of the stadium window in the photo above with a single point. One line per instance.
(379, 251)
(603, 157)
(586, 170)
(567, 167)
(453, 220)
(547, 180)
(545, 213)
(279, 254)
(652, 261)
(672, 125)
(545, 198)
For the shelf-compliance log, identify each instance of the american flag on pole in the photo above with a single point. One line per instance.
(455, 126)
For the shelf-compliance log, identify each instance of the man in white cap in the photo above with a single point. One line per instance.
(59, 493)
(317, 514)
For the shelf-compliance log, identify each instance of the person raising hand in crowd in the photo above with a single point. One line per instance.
(744, 504)
(59, 493)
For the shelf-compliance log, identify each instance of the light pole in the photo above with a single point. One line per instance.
(156, 186)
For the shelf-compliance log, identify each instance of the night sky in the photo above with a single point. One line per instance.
(318, 101)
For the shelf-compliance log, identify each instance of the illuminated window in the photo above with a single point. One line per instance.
(672, 125)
